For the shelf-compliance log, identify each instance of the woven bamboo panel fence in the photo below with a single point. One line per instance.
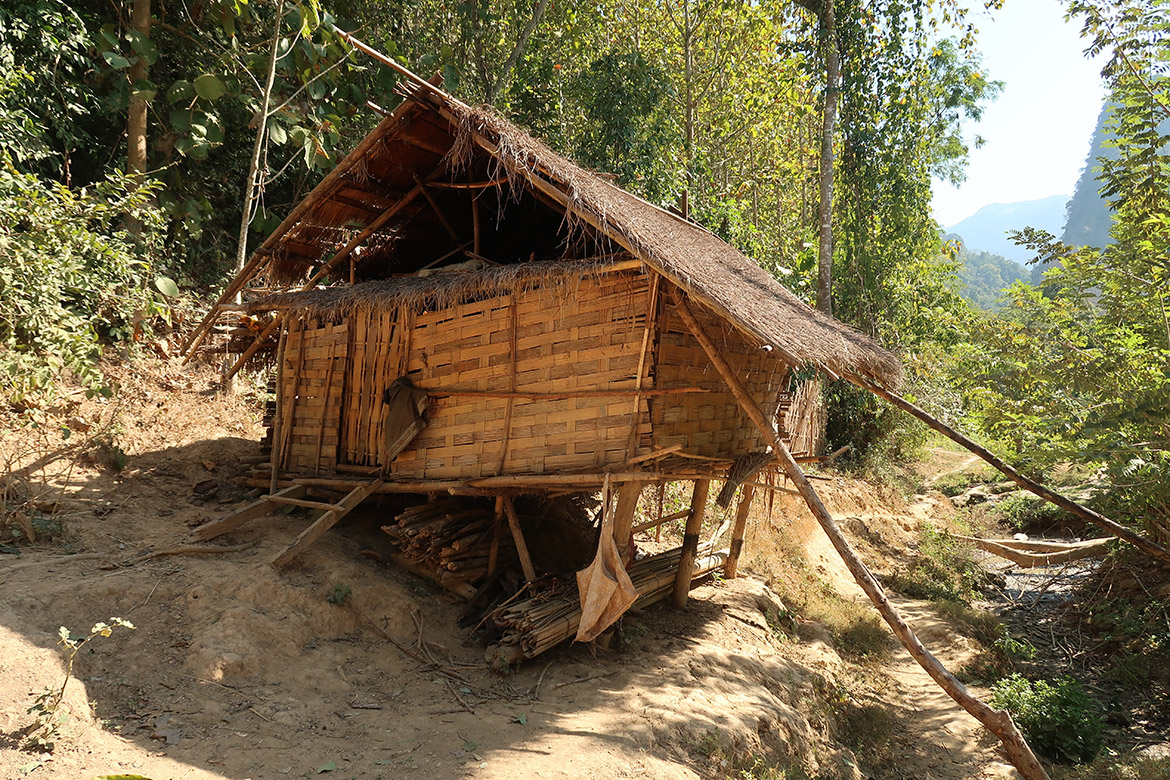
(803, 421)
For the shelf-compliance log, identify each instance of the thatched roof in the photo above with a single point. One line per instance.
(435, 138)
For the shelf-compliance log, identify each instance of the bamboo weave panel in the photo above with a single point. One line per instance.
(712, 424)
(310, 398)
(585, 338)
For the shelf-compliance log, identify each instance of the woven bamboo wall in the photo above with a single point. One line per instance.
(569, 337)
(564, 337)
(803, 422)
(314, 375)
(712, 424)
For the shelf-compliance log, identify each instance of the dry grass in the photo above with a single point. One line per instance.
(856, 631)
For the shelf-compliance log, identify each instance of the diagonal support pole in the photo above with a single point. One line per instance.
(1067, 504)
(997, 721)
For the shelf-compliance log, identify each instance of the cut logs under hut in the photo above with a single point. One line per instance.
(456, 309)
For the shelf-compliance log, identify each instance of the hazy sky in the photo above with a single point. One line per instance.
(1038, 131)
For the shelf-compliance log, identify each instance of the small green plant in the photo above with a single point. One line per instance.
(1058, 718)
(630, 633)
(944, 570)
(48, 715)
(339, 596)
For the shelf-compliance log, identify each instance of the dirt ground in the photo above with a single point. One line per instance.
(343, 665)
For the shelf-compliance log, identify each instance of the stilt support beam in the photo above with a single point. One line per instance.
(518, 538)
(690, 545)
(737, 531)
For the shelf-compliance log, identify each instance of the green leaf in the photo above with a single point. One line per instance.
(115, 60)
(522, 719)
(166, 286)
(144, 47)
(181, 91)
(327, 767)
(277, 133)
(180, 120)
(209, 87)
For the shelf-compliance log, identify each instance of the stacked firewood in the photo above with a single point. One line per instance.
(449, 536)
(550, 615)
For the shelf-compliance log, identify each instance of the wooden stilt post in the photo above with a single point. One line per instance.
(497, 527)
(690, 545)
(998, 722)
(1051, 496)
(518, 538)
(737, 531)
(623, 516)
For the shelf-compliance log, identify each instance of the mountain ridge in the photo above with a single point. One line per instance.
(986, 229)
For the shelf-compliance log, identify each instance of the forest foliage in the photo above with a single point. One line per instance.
(719, 99)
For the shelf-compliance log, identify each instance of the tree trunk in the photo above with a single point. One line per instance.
(832, 88)
(255, 179)
(136, 117)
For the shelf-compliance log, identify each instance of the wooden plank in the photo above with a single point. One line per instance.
(244, 514)
(326, 521)
(306, 503)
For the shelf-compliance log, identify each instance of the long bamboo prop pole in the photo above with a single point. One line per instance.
(1065, 503)
(997, 721)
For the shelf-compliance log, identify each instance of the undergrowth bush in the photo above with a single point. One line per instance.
(1058, 718)
(943, 570)
(1025, 511)
(72, 277)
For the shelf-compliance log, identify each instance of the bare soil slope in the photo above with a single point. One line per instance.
(238, 671)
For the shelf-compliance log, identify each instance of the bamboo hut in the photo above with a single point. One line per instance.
(456, 308)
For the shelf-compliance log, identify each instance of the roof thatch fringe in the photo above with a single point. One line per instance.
(419, 293)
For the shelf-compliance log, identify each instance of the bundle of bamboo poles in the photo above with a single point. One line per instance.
(544, 620)
(449, 536)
